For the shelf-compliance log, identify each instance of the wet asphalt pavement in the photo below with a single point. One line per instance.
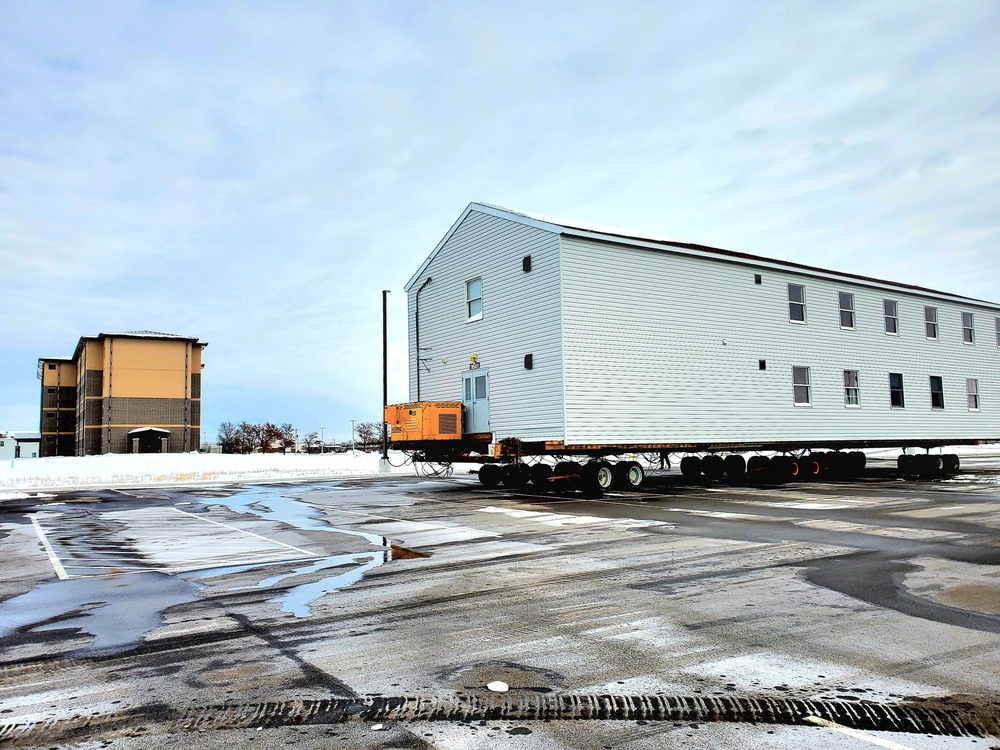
(160, 610)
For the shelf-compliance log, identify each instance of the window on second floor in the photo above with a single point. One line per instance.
(474, 298)
(937, 392)
(797, 303)
(891, 312)
(846, 302)
(968, 328)
(930, 322)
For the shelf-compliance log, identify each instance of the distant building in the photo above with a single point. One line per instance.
(19, 445)
(6, 446)
(129, 392)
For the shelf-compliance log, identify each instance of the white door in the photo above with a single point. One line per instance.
(476, 401)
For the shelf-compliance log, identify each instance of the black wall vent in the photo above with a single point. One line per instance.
(526, 263)
(529, 361)
(756, 278)
(761, 364)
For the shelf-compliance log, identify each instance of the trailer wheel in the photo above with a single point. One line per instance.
(515, 476)
(953, 463)
(540, 474)
(489, 475)
(713, 467)
(758, 468)
(590, 479)
(629, 475)
(904, 462)
(566, 474)
(857, 462)
(691, 467)
(784, 468)
(811, 467)
(605, 474)
(735, 467)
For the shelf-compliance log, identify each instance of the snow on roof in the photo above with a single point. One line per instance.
(149, 429)
(145, 335)
(611, 233)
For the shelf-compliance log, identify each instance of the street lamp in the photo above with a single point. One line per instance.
(322, 442)
(352, 436)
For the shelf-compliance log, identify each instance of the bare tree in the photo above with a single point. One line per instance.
(270, 434)
(369, 435)
(311, 442)
(250, 437)
(229, 437)
(289, 437)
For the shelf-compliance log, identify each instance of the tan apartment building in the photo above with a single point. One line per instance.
(129, 392)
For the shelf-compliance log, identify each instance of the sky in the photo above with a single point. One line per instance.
(256, 173)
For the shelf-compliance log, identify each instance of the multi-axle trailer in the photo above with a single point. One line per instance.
(535, 337)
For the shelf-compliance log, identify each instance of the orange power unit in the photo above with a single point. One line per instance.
(425, 420)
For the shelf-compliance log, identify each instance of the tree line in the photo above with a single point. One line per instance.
(268, 437)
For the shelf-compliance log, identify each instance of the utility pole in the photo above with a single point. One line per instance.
(385, 377)
(352, 436)
(322, 441)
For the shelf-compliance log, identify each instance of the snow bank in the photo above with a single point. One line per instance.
(145, 469)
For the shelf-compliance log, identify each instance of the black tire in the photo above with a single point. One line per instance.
(834, 464)
(629, 475)
(857, 461)
(489, 475)
(713, 467)
(566, 474)
(589, 482)
(735, 467)
(811, 466)
(953, 463)
(540, 474)
(759, 469)
(904, 462)
(605, 475)
(781, 469)
(516, 476)
(691, 467)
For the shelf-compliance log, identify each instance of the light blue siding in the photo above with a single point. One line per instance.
(661, 347)
(520, 315)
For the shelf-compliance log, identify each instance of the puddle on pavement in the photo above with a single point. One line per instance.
(267, 504)
(117, 611)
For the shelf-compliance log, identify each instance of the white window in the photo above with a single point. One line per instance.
(891, 312)
(796, 303)
(852, 388)
(930, 322)
(972, 393)
(800, 386)
(474, 298)
(968, 328)
(896, 390)
(846, 309)
(937, 392)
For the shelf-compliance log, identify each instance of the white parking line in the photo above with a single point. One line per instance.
(60, 570)
(856, 733)
(248, 533)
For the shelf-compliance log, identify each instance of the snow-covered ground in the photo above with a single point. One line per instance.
(146, 469)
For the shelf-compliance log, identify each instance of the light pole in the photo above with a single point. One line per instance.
(352, 437)
(322, 442)
(385, 377)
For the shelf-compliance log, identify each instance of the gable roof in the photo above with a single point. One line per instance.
(634, 238)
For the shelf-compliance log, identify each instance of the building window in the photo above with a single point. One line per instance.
(49, 439)
(800, 386)
(937, 392)
(526, 263)
(896, 390)
(852, 388)
(474, 298)
(930, 322)
(891, 313)
(756, 278)
(846, 309)
(52, 367)
(968, 328)
(50, 390)
(796, 303)
(972, 393)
